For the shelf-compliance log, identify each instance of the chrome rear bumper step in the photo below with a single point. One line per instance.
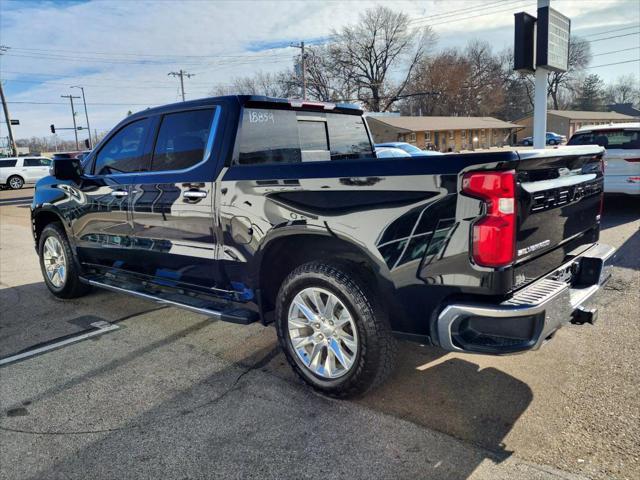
(532, 315)
(209, 308)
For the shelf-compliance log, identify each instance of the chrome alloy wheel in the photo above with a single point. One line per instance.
(15, 183)
(322, 332)
(55, 262)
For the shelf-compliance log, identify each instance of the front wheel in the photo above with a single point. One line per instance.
(333, 330)
(59, 270)
(15, 182)
(553, 142)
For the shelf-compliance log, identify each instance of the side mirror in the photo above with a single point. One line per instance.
(66, 169)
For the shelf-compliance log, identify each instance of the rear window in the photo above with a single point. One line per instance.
(625, 139)
(8, 163)
(287, 136)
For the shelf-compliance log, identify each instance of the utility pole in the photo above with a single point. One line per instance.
(7, 117)
(303, 73)
(86, 115)
(540, 100)
(181, 74)
(73, 114)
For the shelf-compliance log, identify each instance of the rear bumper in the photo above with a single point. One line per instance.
(532, 315)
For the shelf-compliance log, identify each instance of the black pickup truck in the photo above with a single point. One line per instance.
(255, 209)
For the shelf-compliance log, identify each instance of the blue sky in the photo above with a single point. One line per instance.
(121, 51)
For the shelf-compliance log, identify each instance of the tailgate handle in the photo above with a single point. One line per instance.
(194, 194)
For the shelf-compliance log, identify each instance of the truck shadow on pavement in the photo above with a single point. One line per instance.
(249, 417)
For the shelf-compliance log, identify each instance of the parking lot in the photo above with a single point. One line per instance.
(169, 393)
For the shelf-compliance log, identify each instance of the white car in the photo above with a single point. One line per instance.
(622, 144)
(15, 172)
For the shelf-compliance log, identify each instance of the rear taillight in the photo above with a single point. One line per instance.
(632, 160)
(494, 235)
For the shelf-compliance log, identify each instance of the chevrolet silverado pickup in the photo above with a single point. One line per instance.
(255, 209)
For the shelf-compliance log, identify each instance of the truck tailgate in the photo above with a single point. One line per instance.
(559, 204)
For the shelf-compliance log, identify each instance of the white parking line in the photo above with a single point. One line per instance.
(101, 327)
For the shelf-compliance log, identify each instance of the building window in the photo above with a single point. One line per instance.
(463, 133)
(411, 137)
(450, 134)
(482, 133)
(427, 136)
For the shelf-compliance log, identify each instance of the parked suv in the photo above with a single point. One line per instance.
(254, 209)
(622, 145)
(15, 172)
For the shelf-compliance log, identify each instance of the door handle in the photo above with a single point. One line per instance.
(119, 193)
(193, 194)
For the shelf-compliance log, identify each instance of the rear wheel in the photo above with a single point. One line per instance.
(15, 182)
(553, 142)
(59, 270)
(334, 332)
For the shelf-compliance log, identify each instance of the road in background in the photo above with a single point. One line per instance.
(172, 394)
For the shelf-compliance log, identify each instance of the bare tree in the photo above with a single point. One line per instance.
(626, 89)
(280, 84)
(369, 51)
(326, 79)
(579, 58)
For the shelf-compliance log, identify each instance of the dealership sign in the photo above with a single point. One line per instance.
(542, 42)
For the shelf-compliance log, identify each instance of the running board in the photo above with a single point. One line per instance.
(219, 312)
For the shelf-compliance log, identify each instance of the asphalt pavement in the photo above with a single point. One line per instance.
(173, 394)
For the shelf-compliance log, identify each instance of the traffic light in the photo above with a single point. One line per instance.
(53, 128)
(86, 143)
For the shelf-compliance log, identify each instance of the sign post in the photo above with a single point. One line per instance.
(541, 46)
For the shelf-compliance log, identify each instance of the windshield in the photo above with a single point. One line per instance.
(407, 147)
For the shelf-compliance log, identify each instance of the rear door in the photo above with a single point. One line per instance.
(622, 171)
(173, 204)
(36, 168)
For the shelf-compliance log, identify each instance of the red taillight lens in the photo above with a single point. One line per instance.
(494, 235)
(632, 160)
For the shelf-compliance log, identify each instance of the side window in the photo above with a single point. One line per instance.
(124, 152)
(182, 140)
(8, 163)
(37, 162)
(268, 136)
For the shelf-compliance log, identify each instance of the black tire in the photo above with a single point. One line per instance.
(72, 286)
(15, 182)
(553, 142)
(375, 356)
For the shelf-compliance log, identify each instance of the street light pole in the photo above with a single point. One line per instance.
(73, 114)
(86, 116)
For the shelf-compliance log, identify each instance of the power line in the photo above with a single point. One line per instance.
(615, 63)
(615, 51)
(615, 36)
(611, 31)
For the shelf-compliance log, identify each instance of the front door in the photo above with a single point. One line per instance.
(173, 205)
(101, 221)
